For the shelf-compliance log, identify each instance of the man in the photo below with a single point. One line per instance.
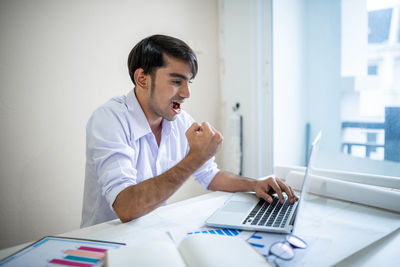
(141, 147)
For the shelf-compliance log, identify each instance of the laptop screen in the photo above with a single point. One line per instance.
(309, 170)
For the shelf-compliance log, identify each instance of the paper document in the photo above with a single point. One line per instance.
(60, 251)
(303, 257)
(194, 251)
(177, 235)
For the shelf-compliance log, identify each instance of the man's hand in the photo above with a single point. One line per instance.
(204, 142)
(135, 201)
(272, 184)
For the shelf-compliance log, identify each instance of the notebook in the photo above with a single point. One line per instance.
(248, 212)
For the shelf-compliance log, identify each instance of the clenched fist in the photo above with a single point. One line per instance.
(204, 142)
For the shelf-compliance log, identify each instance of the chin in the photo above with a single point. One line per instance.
(170, 118)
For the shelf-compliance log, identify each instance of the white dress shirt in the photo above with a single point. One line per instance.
(121, 151)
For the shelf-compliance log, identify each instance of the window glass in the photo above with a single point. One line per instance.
(373, 70)
(372, 130)
(379, 25)
(336, 68)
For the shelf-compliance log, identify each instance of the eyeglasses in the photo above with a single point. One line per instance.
(284, 250)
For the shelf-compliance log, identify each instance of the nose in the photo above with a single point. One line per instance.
(185, 91)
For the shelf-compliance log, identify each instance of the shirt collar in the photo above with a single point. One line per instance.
(142, 126)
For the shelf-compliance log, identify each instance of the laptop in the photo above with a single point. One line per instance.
(246, 211)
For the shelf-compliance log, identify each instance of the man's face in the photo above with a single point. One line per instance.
(169, 88)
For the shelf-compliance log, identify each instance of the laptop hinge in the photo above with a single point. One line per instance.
(293, 217)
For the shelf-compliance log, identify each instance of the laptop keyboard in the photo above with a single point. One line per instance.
(272, 215)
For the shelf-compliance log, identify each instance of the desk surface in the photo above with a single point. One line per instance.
(337, 223)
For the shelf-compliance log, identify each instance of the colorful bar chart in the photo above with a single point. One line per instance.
(58, 251)
(221, 231)
(83, 256)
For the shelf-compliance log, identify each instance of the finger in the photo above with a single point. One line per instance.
(218, 137)
(192, 130)
(218, 134)
(295, 198)
(292, 198)
(285, 188)
(276, 188)
(195, 127)
(265, 196)
(207, 128)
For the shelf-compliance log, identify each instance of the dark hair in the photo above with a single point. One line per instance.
(148, 54)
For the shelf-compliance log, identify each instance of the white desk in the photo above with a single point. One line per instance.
(191, 214)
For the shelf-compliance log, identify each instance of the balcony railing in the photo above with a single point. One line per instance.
(391, 128)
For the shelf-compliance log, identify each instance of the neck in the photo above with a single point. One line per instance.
(155, 126)
(155, 122)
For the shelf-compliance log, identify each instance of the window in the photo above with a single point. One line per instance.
(337, 69)
(373, 70)
(379, 25)
(371, 130)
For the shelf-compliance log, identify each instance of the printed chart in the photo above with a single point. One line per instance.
(222, 231)
(58, 251)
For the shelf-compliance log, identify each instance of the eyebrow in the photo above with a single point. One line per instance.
(178, 75)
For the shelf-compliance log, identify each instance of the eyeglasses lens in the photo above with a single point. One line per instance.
(296, 241)
(282, 250)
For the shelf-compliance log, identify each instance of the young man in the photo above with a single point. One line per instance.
(141, 147)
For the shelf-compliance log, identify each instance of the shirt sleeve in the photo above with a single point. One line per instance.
(206, 173)
(108, 149)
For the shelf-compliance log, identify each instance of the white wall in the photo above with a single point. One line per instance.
(245, 78)
(59, 61)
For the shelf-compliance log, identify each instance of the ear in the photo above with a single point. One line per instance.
(141, 79)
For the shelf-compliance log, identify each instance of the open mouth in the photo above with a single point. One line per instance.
(176, 107)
